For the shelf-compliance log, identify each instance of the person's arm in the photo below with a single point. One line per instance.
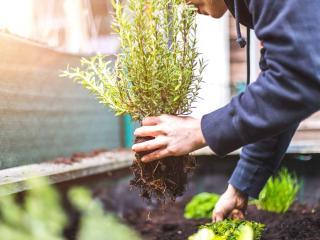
(257, 163)
(285, 93)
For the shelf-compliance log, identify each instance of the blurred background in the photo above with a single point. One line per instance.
(44, 116)
(50, 126)
(74, 26)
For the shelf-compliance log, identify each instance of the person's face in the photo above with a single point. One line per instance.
(213, 8)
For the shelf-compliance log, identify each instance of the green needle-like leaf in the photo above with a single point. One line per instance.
(158, 70)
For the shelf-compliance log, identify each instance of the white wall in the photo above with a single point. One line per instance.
(255, 56)
(213, 43)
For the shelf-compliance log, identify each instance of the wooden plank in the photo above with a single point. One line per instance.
(13, 179)
(44, 116)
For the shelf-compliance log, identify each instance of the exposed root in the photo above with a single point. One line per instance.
(164, 179)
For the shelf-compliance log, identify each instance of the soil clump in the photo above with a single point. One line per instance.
(164, 179)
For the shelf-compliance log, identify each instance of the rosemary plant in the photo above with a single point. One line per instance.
(158, 70)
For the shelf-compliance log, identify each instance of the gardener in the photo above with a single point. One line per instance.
(262, 119)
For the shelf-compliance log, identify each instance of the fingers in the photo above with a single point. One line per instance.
(217, 216)
(156, 155)
(194, 2)
(157, 143)
(220, 216)
(237, 214)
(233, 203)
(151, 126)
(149, 131)
(221, 211)
(151, 121)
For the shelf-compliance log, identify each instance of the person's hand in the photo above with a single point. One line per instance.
(232, 203)
(173, 136)
(214, 8)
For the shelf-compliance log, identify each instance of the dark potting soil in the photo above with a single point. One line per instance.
(155, 223)
(163, 224)
(299, 223)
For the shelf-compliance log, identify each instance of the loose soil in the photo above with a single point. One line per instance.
(77, 157)
(299, 223)
(164, 179)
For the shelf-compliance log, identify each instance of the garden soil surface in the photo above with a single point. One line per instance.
(167, 223)
(299, 223)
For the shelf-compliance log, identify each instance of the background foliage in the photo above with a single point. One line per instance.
(40, 216)
(201, 205)
(279, 193)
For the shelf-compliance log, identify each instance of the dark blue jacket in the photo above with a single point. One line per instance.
(264, 118)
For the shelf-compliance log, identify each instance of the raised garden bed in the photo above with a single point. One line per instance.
(156, 222)
(299, 223)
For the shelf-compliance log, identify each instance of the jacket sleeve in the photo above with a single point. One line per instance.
(287, 92)
(259, 161)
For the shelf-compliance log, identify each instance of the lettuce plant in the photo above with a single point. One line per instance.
(229, 230)
(201, 205)
(279, 192)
